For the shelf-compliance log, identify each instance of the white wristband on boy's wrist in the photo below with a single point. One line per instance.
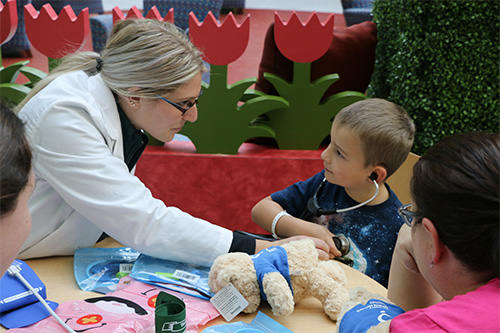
(275, 222)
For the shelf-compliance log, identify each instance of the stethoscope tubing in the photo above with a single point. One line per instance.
(315, 209)
(343, 210)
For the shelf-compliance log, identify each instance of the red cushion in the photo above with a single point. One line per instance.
(351, 56)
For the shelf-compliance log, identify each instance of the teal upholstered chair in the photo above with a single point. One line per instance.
(357, 11)
(94, 6)
(182, 8)
(235, 6)
(19, 45)
(100, 27)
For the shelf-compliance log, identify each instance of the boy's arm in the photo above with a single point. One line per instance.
(264, 212)
(407, 287)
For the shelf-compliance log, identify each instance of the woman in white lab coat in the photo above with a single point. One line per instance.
(85, 122)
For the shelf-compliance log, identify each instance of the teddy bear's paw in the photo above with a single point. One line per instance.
(283, 311)
(361, 295)
(278, 293)
(335, 301)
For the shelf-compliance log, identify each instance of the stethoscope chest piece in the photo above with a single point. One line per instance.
(342, 244)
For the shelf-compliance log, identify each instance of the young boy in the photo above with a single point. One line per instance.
(370, 139)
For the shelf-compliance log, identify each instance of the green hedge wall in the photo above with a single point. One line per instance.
(439, 59)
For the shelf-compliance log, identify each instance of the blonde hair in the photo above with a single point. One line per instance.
(385, 129)
(157, 57)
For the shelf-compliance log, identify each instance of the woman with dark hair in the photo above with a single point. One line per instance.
(450, 252)
(445, 268)
(16, 185)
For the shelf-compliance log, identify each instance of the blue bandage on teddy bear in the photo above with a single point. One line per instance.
(271, 259)
(361, 317)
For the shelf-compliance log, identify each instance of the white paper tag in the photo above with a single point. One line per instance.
(229, 302)
(186, 276)
(126, 268)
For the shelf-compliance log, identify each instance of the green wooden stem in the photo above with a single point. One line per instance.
(218, 76)
(301, 73)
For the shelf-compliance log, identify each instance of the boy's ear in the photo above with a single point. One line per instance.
(379, 174)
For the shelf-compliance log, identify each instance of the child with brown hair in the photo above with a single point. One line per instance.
(370, 139)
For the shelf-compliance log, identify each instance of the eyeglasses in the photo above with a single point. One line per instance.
(407, 214)
(183, 110)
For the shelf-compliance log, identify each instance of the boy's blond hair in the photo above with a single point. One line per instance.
(385, 129)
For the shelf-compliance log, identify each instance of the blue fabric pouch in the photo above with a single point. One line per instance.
(19, 307)
(361, 317)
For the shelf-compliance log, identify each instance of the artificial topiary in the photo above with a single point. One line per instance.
(440, 60)
(15, 92)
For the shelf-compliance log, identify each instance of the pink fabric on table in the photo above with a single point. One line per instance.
(110, 313)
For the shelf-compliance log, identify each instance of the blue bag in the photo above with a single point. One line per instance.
(185, 278)
(100, 269)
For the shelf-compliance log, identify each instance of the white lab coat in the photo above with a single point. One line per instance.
(83, 186)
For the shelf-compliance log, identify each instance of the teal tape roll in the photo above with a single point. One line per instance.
(170, 313)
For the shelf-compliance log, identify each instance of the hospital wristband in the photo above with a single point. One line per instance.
(275, 222)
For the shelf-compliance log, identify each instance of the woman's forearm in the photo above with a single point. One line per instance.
(409, 289)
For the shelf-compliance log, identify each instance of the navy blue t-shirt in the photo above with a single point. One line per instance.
(372, 230)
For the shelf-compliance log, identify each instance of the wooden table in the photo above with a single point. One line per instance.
(308, 316)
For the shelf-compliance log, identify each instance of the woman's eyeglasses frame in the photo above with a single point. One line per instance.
(407, 215)
(180, 108)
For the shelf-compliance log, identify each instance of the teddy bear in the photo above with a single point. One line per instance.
(324, 280)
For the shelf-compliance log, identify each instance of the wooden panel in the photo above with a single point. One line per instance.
(400, 180)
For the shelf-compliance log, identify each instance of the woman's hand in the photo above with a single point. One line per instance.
(293, 226)
(407, 287)
(320, 232)
(404, 249)
(321, 246)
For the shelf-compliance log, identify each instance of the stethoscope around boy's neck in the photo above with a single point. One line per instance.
(316, 210)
